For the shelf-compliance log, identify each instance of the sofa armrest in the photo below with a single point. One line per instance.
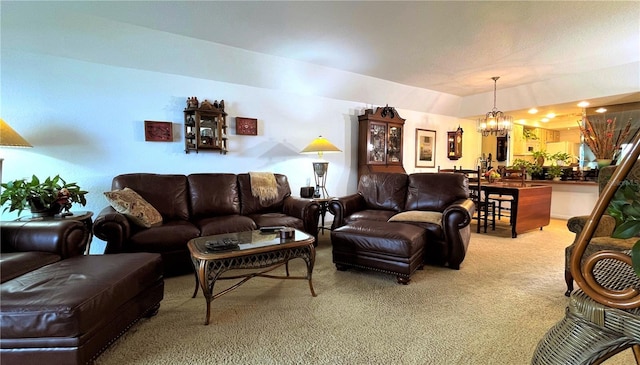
(66, 238)
(459, 214)
(343, 207)
(112, 227)
(456, 219)
(305, 209)
(605, 227)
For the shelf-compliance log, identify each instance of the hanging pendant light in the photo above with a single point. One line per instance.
(495, 121)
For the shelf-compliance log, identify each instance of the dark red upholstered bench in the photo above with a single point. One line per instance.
(389, 247)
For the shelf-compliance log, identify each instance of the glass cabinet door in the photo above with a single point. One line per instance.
(377, 143)
(394, 150)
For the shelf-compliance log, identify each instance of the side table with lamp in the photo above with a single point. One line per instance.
(321, 196)
(320, 145)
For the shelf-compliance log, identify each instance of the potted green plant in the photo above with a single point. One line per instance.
(561, 158)
(529, 134)
(554, 172)
(625, 208)
(46, 197)
(532, 169)
(540, 156)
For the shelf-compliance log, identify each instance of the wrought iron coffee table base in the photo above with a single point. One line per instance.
(208, 271)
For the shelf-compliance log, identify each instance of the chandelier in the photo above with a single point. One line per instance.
(495, 121)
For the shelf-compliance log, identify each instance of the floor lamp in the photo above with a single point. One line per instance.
(10, 138)
(320, 145)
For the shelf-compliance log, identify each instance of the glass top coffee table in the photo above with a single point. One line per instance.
(247, 250)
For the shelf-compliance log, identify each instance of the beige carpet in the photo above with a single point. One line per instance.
(494, 310)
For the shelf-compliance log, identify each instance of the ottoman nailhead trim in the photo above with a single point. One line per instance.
(374, 269)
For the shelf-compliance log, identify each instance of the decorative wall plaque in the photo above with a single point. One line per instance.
(246, 126)
(158, 131)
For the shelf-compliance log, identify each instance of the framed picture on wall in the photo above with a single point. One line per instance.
(246, 126)
(501, 149)
(158, 131)
(425, 148)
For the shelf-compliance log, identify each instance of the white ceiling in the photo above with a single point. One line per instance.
(452, 47)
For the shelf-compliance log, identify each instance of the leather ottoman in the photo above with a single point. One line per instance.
(388, 247)
(69, 311)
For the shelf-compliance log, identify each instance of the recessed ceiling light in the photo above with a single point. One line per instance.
(533, 111)
(551, 115)
(601, 110)
(544, 120)
(583, 104)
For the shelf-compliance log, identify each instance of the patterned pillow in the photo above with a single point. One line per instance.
(134, 207)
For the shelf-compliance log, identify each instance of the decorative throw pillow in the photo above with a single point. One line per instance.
(134, 207)
(417, 216)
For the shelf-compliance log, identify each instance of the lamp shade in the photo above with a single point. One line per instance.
(320, 145)
(11, 138)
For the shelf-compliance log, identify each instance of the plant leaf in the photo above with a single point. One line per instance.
(627, 229)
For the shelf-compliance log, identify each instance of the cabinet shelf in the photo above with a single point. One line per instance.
(205, 126)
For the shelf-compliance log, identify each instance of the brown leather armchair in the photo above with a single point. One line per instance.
(438, 203)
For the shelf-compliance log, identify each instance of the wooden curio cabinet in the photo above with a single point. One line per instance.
(205, 126)
(380, 141)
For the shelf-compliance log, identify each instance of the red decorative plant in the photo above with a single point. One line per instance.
(601, 136)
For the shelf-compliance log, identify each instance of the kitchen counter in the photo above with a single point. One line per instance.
(571, 198)
(569, 182)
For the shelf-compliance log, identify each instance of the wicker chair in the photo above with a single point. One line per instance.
(603, 316)
(601, 239)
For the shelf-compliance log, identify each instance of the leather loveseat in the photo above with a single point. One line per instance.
(198, 205)
(59, 306)
(396, 222)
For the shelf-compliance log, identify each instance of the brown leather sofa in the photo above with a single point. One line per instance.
(198, 205)
(369, 226)
(61, 307)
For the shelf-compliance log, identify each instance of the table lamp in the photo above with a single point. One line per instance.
(10, 138)
(320, 145)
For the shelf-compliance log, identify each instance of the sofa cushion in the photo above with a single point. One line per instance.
(167, 193)
(225, 224)
(277, 219)
(14, 264)
(435, 191)
(386, 191)
(251, 204)
(170, 236)
(70, 297)
(213, 194)
(132, 205)
(418, 216)
(370, 215)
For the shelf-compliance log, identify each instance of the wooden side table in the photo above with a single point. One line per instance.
(81, 216)
(324, 207)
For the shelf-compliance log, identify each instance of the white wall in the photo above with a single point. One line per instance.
(79, 91)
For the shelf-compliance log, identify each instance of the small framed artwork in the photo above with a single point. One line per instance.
(425, 148)
(158, 131)
(246, 126)
(501, 149)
